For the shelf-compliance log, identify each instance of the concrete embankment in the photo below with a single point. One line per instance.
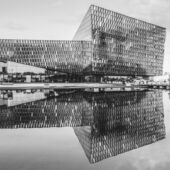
(58, 85)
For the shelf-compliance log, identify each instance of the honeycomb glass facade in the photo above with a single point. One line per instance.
(63, 56)
(106, 43)
(122, 45)
(122, 124)
(106, 124)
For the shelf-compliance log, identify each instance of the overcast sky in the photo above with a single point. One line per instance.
(59, 19)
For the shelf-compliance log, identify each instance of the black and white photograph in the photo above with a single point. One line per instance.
(84, 85)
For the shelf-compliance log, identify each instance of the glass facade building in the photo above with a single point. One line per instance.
(63, 56)
(122, 45)
(106, 43)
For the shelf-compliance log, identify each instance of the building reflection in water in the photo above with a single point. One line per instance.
(122, 125)
(68, 109)
(106, 124)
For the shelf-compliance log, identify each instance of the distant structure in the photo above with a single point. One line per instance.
(164, 79)
(13, 67)
(106, 43)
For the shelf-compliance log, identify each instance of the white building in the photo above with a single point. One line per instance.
(13, 67)
(164, 79)
(20, 97)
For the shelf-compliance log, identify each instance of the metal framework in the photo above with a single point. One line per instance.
(106, 124)
(122, 45)
(106, 43)
(122, 125)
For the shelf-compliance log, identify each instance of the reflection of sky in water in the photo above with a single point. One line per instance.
(59, 148)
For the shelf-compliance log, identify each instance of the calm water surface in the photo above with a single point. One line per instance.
(60, 130)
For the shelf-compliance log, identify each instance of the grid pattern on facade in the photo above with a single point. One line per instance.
(64, 110)
(79, 109)
(123, 45)
(123, 126)
(117, 45)
(106, 124)
(64, 56)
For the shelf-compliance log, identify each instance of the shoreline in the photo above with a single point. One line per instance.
(60, 85)
(97, 86)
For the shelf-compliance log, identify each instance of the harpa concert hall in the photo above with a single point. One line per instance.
(106, 44)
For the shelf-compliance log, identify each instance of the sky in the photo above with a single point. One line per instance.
(59, 19)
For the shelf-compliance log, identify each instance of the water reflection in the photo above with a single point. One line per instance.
(106, 124)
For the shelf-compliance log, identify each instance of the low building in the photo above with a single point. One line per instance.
(164, 79)
(17, 72)
(13, 67)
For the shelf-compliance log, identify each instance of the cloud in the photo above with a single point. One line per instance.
(54, 3)
(66, 21)
(155, 11)
(15, 26)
